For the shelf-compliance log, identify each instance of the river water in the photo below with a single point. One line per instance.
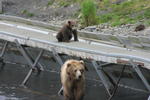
(46, 85)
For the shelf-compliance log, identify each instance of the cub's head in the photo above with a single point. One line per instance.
(75, 69)
(71, 24)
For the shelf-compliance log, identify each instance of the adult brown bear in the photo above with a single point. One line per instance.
(73, 79)
(65, 34)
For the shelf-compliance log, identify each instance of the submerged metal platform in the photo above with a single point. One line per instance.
(24, 35)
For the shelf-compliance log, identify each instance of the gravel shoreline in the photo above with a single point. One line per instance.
(123, 30)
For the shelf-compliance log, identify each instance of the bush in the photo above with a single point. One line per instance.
(25, 12)
(147, 13)
(64, 3)
(50, 2)
(88, 10)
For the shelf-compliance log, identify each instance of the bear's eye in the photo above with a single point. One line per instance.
(81, 70)
(75, 70)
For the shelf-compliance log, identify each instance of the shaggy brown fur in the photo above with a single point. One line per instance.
(73, 79)
(65, 34)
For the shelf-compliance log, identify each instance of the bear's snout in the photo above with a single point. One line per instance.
(78, 74)
(79, 77)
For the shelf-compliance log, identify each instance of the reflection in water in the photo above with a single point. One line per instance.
(9, 98)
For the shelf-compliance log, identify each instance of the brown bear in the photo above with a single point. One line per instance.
(66, 32)
(73, 79)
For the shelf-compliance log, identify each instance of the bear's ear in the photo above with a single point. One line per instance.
(82, 62)
(69, 22)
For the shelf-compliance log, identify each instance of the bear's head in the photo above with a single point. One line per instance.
(75, 69)
(71, 24)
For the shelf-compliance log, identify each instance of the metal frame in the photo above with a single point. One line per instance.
(96, 52)
(59, 60)
(117, 83)
(109, 86)
(3, 52)
(105, 80)
(34, 64)
(126, 43)
(56, 56)
(138, 71)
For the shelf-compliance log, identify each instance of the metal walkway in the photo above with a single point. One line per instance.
(25, 35)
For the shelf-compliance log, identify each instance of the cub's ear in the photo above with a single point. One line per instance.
(82, 62)
(69, 22)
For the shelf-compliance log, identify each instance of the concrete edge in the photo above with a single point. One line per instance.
(29, 22)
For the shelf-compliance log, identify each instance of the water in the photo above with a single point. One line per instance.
(46, 86)
(9, 98)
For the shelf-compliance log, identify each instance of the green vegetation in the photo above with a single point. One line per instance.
(107, 11)
(50, 2)
(130, 11)
(88, 10)
(25, 12)
(30, 14)
(64, 3)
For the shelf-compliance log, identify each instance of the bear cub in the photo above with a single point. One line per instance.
(66, 32)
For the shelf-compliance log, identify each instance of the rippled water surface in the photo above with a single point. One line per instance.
(46, 85)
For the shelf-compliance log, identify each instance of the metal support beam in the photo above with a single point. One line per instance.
(2, 53)
(27, 77)
(138, 71)
(104, 64)
(57, 57)
(32, 63)
(37, 60)
(105, 80)
(126, 43)
(4, 49)
(117, 84)
(59, 60)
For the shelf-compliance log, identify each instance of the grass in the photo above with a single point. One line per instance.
(64, 3)
(130, 11)
(30, 14)
(50, 2)
(27, 13)
(88, 10)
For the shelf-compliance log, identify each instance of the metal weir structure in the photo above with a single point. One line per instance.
(27, 35)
